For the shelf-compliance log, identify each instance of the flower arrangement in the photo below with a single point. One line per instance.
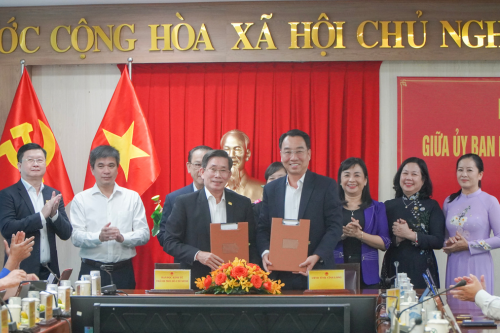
(238, 277)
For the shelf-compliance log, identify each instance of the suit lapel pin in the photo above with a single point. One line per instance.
(230, 203)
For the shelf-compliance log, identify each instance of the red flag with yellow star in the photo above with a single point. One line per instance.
(125, 128)
(27, 123)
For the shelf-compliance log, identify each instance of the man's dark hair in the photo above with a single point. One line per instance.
(191, 152)
(272, 168)
(426, 191)
(296, 132)
(103, 152)
(29, 146)
(366, 199)
(216, 153)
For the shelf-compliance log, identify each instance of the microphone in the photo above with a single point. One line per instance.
(459, 284)
(418, 321)
(387, 281)
(110, 289)
(44, 264)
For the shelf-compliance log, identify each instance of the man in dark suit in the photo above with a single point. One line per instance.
(302, 194)
(193, 166)
(187, 232)
(36, 209)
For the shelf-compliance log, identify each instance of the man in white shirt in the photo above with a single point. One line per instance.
(109, 221)
(187, 231)
(37, 209)
(475, 291)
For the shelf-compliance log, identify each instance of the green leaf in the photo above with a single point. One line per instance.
(155, 230)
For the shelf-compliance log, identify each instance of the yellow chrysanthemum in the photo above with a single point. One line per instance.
(200, 283)
(276, 287)
(230, 284)
(245, 284)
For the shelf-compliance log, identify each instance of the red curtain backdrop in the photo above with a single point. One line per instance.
(187, 105)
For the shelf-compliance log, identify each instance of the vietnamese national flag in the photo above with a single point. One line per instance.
(27, 123)
(125, 128)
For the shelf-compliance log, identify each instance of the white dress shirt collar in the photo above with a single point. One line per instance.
(208, 194)
(218, 213)
(300, 182)
(292, 198)
(95, 189)
(28, 186)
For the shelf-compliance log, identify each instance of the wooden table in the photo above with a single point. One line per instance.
(61, 326)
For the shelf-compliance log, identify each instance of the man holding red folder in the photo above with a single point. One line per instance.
(187, 231)
(302, 194)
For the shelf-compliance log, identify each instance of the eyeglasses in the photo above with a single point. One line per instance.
(196, 165)
(298, 153)
(33, 161)
(222, 172)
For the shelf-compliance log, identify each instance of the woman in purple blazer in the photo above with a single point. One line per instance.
(365, 227)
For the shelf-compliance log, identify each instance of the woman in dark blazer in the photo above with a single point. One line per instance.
(417, 225)
(365, 227)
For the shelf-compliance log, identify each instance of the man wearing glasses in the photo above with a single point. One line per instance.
(36, 209)
(187, 231)
(302, 194)
(193, 165)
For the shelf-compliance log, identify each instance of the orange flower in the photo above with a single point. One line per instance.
(254, 266)
(256, 281)
(268, 285)
(208, 282)
(225, 266)
(239, 271)
(220, 279)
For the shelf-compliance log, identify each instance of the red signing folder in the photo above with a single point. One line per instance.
(229, 240)
(289, 245)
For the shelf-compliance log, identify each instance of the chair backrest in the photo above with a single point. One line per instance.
(352, 275)
(167, 266)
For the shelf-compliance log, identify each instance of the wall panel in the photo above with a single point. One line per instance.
(74, 99)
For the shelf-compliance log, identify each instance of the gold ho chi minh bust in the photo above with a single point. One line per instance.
(236, 143)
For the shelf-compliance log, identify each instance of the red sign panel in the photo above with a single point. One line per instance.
(440, 119)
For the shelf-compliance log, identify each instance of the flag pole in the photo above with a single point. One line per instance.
(130, 67)
(22, 66)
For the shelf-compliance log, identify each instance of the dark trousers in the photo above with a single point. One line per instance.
(291, 281)
(44, 273)
(123, 277)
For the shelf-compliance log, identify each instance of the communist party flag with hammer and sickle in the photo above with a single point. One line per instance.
(27, 123)
(125, 128)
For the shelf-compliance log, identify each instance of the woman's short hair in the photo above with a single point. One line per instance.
(366, 199)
